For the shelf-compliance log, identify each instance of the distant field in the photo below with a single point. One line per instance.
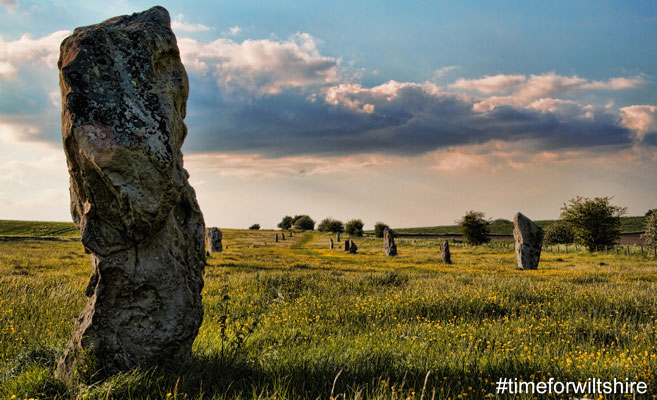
(38, 229)
(503, 227)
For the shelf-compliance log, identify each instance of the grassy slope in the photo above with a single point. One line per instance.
(501, 227)
(383, 322)
(64, 230)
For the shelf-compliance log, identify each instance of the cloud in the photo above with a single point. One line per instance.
(490, 84)
(234, 30)
(9, 4)
(177, 24)
(28, 51)
(640, 118)
(525, 90)
(440, 72)
(257, 166)
(261, 67)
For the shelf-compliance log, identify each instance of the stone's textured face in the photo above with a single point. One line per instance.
(213, 240)
(331, 244)
(124, 91)
(389, 246)
(352, 247)
(529, 241)
(445, 255)
(346, 245)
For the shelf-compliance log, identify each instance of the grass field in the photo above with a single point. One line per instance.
(505, 227)
(303, 321)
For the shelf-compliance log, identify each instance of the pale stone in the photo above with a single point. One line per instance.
(389, 246)
(529, 241)
(445, 254)
(213, 238)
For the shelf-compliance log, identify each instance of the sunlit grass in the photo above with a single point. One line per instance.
(381, 323)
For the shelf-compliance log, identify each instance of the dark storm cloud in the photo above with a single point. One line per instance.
(399, 119)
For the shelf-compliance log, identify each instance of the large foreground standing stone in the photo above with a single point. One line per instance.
(529, 240)
(389, 246)
(124, 93)
(213, 237)
(352, 247)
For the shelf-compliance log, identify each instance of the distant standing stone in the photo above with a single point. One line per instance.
(444, 253)
(337, 237)
(352, 247)
(283, 236)
(346, 245)
(389, 246)
(213, 240)
(529, 240)
(331, 244)
(277, 238)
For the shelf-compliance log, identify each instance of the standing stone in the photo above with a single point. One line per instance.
(529, 241)
(277, 238)
(124, 92)
(337, 237)
(282, 235)
(444, 253)
(389, 246)
(352, 247)
(346, 245)
(213, 240)
(331, 244)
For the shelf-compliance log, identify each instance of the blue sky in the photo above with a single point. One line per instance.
(410, 113)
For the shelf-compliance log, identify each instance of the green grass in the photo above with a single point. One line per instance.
(505, 227)
(37, 229)
(331, 324)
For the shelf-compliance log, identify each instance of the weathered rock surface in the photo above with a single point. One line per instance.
(529, 240)
(352, 247)
(337, 237)
(346, 245)
(276, 238)
(389, 246)
(331, 244)
(213, 238)
(283, 236)
(445, 255)
(124, 92)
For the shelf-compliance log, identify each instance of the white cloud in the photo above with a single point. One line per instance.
(26, 50)
(234, 30)
(179, 25)
(640, 118)
(9, 4)
(440, 72)
(490, 84)
(525, 90)
(261, 67)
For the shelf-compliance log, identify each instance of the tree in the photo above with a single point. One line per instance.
(651, 228)
(595, 221)
(303, 222)
(286, 223)
(379, 227)
(254, 227)
(653, 211)
(559, 232)
(330, 225)
(354, 227)
(474, 227)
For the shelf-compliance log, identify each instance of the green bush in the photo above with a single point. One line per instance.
(595, 221)
(559, 232)
(254, 227)
(474, 227)
(379, 227)
(303, 222)
(354, 227)
(286, 222)
(330, 225)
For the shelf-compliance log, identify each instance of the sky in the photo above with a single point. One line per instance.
(409, 113)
